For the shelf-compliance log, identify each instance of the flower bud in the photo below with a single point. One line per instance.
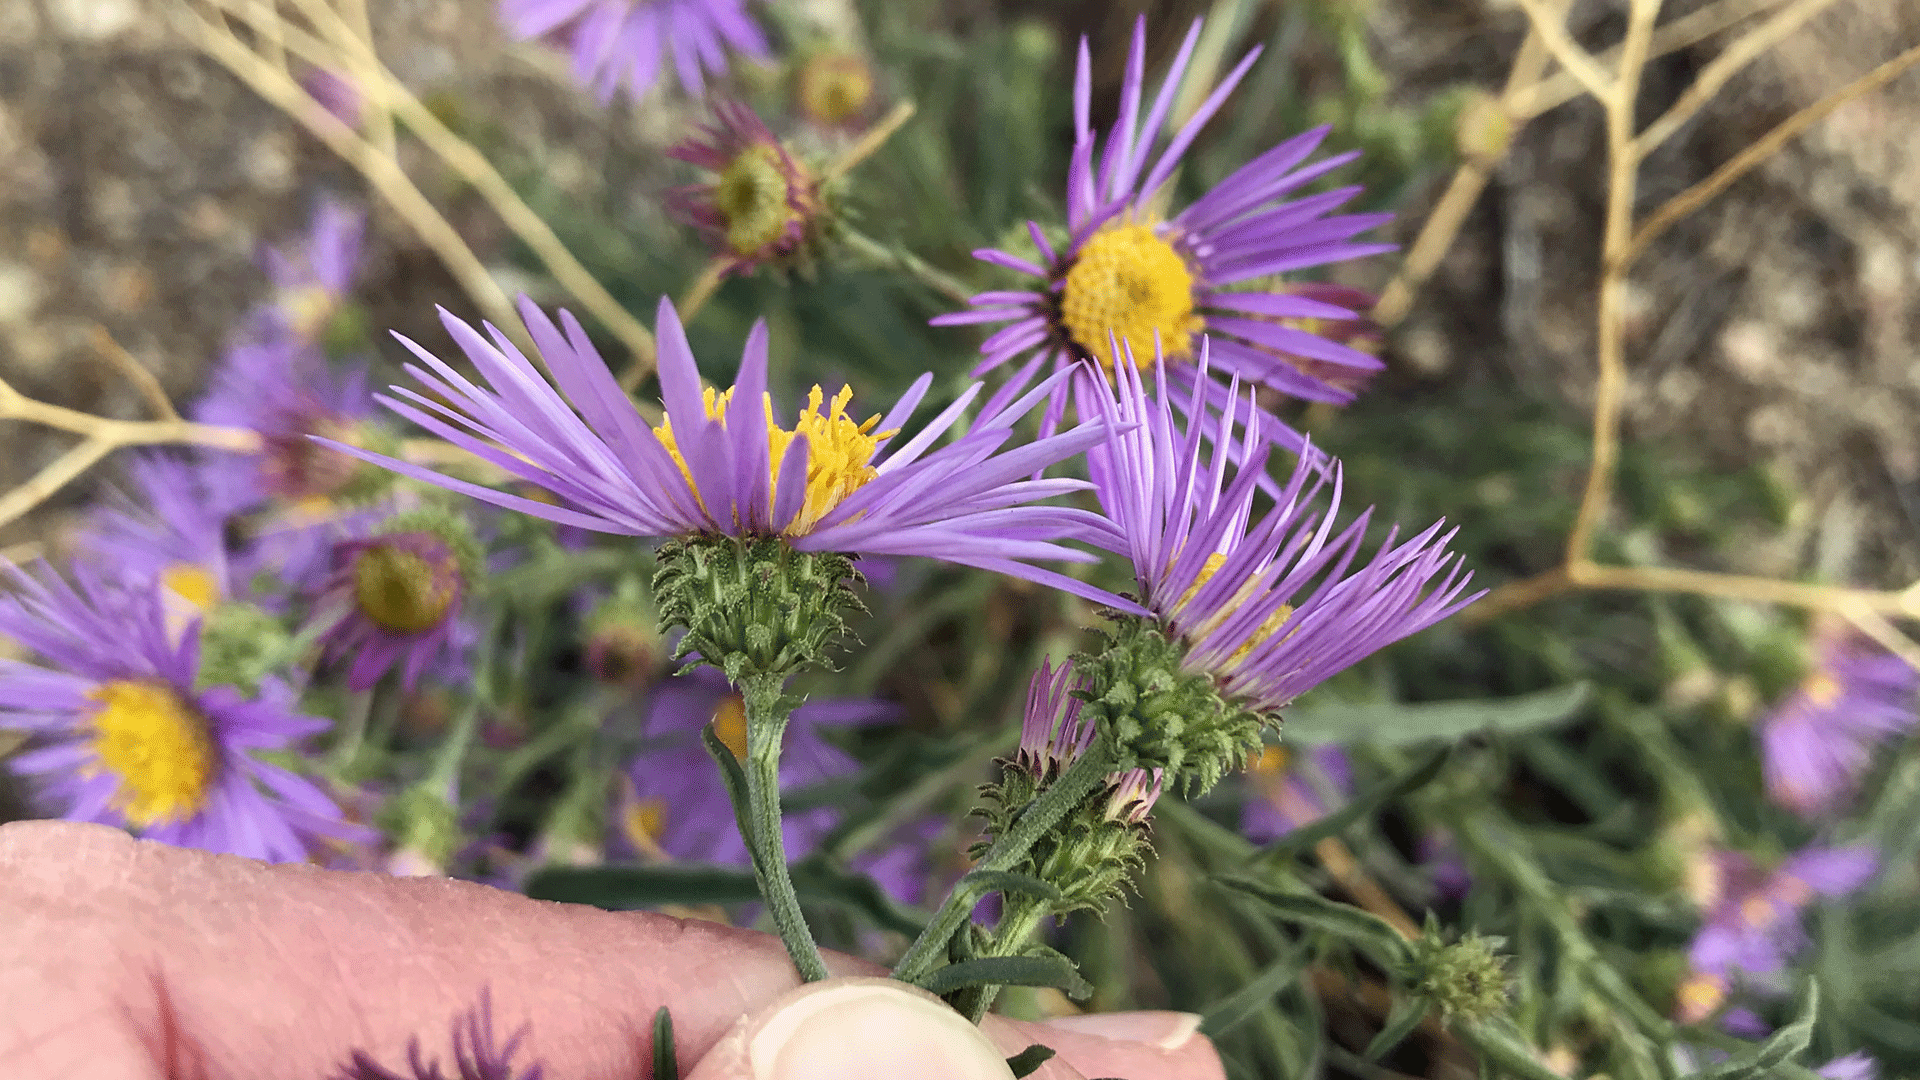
(239, 645)
(834, 88)
(1466, 978)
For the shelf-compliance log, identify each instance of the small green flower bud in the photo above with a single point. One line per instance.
(754, 606)
(239, 645)
(1160, 716)
(1466, 978)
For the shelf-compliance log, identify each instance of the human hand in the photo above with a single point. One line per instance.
(124, 959)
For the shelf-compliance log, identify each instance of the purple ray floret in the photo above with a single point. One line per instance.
(624, 42)
(1270, 605)
(973, 501)
(1818, 744)
(1228, 243)
(121, 736)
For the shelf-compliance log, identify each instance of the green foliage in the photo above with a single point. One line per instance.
(754, 606)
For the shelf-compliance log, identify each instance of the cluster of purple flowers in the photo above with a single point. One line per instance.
(1817, 744)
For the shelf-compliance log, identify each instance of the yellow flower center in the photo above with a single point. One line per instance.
(751, 196)
(1131, 283)
(834, 87)
(645, 823)
(1822, 689)
(730, 725)
(1266, 630)
(194, 584)
(1270, 761)
(400, 591)
(158, 746)
(838, 450)
(1699, 997)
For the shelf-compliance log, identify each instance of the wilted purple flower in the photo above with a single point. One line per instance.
(673, 803)
(477, 1055)
(1126, 275)
(1816, 745)
(1753, 928)
(394, 599)
(761, 201)
(720, 464)
(625, 41)
(1287, 794)
(124, 738)
(171, 528)
(1053, 735)
(1268, 607)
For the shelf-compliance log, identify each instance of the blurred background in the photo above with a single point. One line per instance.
(1770, 427)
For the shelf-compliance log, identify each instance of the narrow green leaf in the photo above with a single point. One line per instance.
(1247, 1000)
(622, 888)
(1344, 921)
(1054, 971)
(1390, 723)
(1026, 1061)
(1763, 1059)
(735, 779)
(1406, 1015)
(666, 1063)
(981, 882)
(1368, 801)
(1502, 1050)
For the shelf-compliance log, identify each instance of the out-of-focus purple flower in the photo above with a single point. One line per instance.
(616, 42)
(673, 803)
(1268, 607)
(121, 736)
(720, 464)
(335, 94)
(761, 201)
(1855, 1066)
(394, 600)
(477, 1054)
(313, 277)
(287, 392)
(170, 529)
(1151, 284)
(1445, 866)
(1753, 928)
(1286, 794)
(1817, 744)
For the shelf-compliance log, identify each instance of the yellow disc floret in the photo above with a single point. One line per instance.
(194, 584)
(1131, 283)
(753, 197)
(730, 725)
(1267, 629)
(158, 746)
(839, 451)
(398, 590)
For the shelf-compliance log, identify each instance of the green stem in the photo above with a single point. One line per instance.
(1081, 779)
(1018, 920)
(938, 280)
(767, 714)
(353, 731)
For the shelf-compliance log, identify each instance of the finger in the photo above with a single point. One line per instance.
(1142, 1045)
(116, 953)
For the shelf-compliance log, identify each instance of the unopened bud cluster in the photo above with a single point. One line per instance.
(1466, 979)
(753, 605)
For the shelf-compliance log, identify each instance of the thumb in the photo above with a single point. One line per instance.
(854, 1026)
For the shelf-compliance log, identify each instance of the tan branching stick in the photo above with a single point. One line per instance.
(1547, 22)
(101, 436)
(864, 147)
(1552, 92)
(382, 172)
(136, 373)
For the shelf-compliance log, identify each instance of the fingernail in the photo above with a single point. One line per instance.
(872, 1029)
(1165, 1030)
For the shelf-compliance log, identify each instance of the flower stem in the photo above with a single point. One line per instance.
(767, 715)
(1081, 779)
(888, 255)
(1019, 918)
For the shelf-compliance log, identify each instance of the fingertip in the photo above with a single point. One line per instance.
(1162, 1045)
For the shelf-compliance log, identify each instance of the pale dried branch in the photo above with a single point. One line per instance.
(1678, 207)
(697, 295)
(1884, 633)
(341, 44)
(136, 373)
(1742, 51)
(1691, 29)
(56, 475)
(1550, 24)
(381, 171)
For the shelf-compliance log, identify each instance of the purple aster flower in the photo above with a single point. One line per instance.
(673, 803)
(1128, 283)
(1287, 794)
(625, 41)
(286, 391)
(761, 201)
(1753, 929)
(477, 1053)
(1053, 734)
(1817, 744)
(1267, 606)
(395, 600)
(720, 464)
(313, 278)
(1855, 1066)
(171, 529)
(125, 738)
